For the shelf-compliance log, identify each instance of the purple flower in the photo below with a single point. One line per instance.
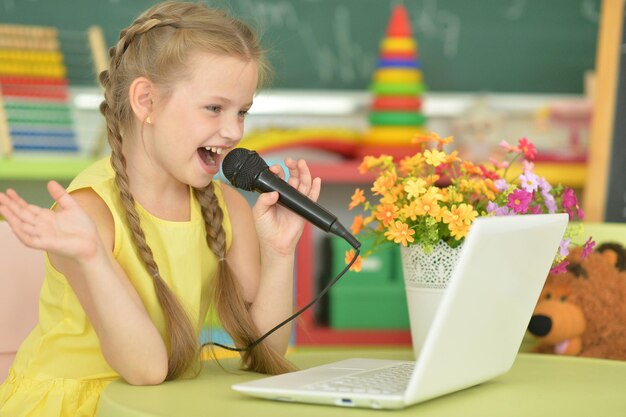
(501, 184)
(544, 185)
(549, 201)
(519, 200)
(564, 247)
(559, 268)
(529, 181)
(493, 208)
(588, 247)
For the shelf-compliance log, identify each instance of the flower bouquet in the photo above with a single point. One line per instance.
(434, 196)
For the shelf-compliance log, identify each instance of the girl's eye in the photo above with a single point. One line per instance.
(214, 108)
(243, 114)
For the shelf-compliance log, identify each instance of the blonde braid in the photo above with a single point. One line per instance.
(232, 309)
(181, 333)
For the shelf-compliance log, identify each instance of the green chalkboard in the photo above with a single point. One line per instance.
(541, 46)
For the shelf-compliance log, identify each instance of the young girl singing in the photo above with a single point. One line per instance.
(143, 243)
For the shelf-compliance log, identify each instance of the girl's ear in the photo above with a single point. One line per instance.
(140, 95)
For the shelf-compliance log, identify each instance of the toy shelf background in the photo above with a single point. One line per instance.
(532, 46)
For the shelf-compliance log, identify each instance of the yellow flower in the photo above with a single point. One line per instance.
(458, 231)
(400, 233)
(357, 198)
(434, 157)
(357, 265)
(461, 214)
(427, 205)
(392, 195)
(415, 187)
(409, 211)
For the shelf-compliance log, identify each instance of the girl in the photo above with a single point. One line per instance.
(142, 243)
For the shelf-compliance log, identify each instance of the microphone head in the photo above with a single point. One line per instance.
(242, 166)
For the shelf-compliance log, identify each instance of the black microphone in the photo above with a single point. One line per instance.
(245, 169)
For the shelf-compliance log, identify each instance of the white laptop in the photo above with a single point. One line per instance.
(474, 337)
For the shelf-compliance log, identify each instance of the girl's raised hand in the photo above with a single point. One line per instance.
(276, 225)
(68, 231)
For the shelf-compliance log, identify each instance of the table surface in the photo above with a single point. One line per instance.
(537, 385)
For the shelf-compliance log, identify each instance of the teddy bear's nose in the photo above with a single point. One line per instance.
(540, 325)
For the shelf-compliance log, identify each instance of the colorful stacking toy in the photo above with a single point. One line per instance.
(397, 87)
(34, 101)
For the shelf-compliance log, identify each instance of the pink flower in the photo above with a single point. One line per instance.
(508, 148)
(527, 148)
(588, 247)
(569, 199)
(559, 268)
(570, 202)
(519, 200)
(527, 166)
(499, 164)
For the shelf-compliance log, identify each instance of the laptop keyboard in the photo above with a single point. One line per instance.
(389, 380)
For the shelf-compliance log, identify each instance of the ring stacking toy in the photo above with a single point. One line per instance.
(34, 101)
(396, 110)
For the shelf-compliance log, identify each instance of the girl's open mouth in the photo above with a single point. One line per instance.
(210, 156)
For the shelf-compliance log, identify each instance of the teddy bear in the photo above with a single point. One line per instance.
(582, 312)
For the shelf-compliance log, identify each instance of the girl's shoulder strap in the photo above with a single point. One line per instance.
(95, 176)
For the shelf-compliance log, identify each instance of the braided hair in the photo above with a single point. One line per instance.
(157, 45)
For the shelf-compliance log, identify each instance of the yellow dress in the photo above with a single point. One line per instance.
(59, 369)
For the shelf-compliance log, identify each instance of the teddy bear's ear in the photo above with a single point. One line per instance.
(614, 253)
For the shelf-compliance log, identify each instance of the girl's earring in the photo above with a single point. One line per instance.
(148, 120)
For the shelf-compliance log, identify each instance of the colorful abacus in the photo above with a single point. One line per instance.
(397, 87)
(34, 107)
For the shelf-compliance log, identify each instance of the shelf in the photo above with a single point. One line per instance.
(67, 167)
(42, 168)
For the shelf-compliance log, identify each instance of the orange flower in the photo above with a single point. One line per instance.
(357, 224)
(386, 213)
(370, 162)
(357, 265)
(400, 233)
(384, 183)
(357, 198)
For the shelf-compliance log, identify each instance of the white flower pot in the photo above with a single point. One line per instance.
(426, 277)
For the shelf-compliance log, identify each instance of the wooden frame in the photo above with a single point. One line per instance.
(607, 69)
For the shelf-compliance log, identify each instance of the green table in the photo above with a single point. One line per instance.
(537, 385)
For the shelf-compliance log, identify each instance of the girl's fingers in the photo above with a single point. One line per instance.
(305, 177)
(278, 170)
(316, 187)
(61, 196)
(15, 197)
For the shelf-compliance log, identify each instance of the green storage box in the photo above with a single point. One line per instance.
(363, 307)
(380, 268)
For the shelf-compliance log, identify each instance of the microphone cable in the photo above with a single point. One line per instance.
(293, 316)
